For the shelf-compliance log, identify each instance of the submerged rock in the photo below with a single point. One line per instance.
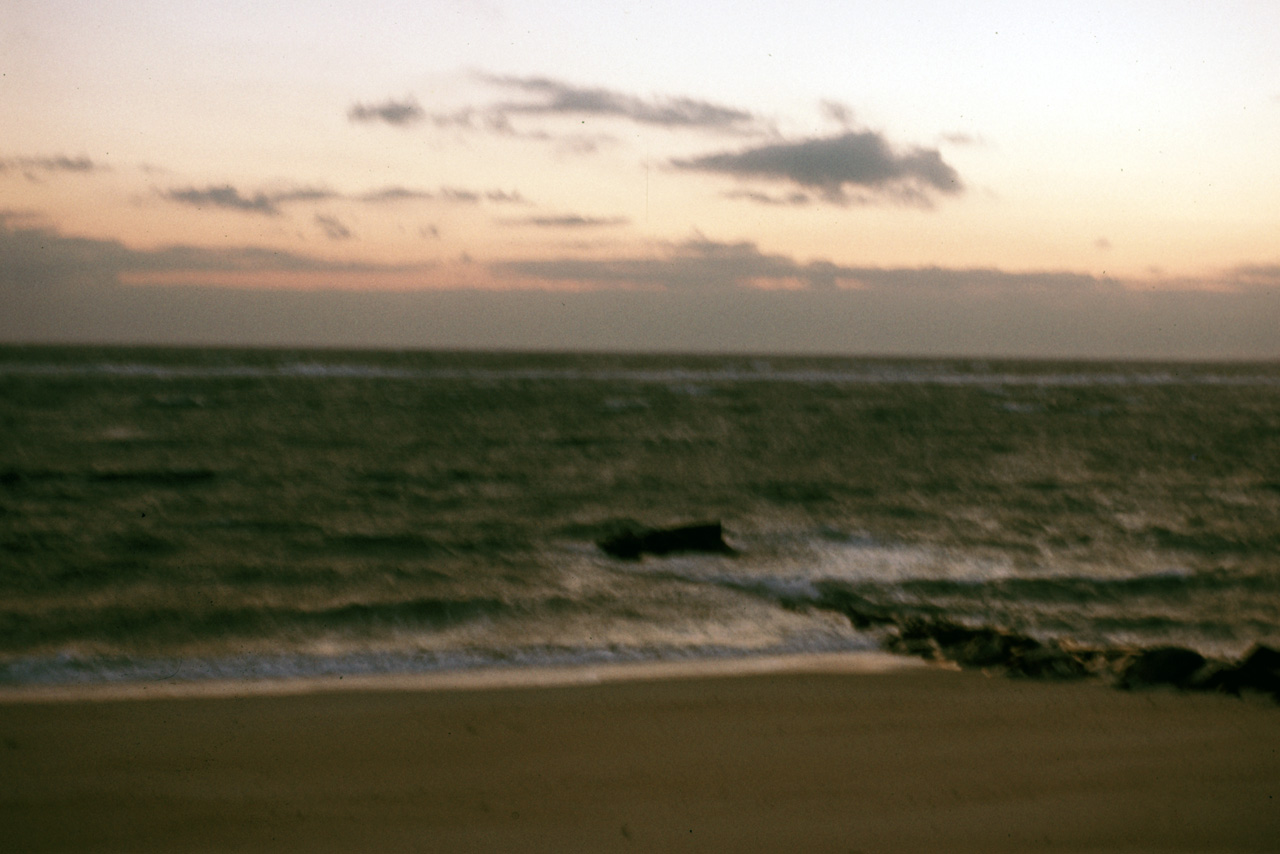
(706, 537)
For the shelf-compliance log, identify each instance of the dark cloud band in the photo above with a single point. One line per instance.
(709, 265)
(838, 167)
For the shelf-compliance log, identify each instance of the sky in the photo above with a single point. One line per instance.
(1077, 179)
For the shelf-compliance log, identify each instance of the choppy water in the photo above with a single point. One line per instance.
(195, 513)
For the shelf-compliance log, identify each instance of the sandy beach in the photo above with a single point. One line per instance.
(910, 760)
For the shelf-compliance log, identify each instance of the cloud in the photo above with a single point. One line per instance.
(32, 168)
(569, 221)
(961, 138)
(454, 194)
(545, 96)
(711, 265)
(332, 227)
(505, 198)
(397, 113)
(858, 166)
(46, 250)
(228, 197)
(555, 97)
(473, 118)
(792, 199)
(840, 113)
(699, 264)
(225, 196)
(394, 194)
(303, 194)
(66, 289)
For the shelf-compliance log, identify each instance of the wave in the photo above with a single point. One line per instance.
(150, 626)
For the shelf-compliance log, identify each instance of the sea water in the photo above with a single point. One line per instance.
(171, 514)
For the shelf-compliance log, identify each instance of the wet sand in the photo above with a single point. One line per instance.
(911, 760)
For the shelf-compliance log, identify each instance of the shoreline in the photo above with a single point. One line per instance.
(470, 679)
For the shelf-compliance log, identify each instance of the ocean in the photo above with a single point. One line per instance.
(196, 514)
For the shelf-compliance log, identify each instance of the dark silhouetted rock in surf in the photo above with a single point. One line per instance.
(1258, 671)
(706, 538)
(1166, 665)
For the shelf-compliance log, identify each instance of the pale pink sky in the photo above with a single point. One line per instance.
(1091, 179)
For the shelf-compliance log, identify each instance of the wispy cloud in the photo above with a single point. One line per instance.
(792, 199)
(395, 194)
(555, 97)
(854, 167)
(270, 203)
(838, 112)
(502, 197)
(548, 97)
(33, 168)
(303, 194)
(333, 228)
(224, 196)
(392, 112)
(568, 221)
(961, 138)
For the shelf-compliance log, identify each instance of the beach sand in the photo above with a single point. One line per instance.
(911, 760)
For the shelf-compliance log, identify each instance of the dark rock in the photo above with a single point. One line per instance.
(1048, 661)
(1166, 665)
(989, 647)
(1259, 671)
(1262, 662)
(707, 538)
(967, 646)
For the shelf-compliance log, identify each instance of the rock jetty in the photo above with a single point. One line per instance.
(936, 637)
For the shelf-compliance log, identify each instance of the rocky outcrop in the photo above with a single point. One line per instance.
(987, 648)
(937, 638)
(1258, 671)
(1166, 665)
